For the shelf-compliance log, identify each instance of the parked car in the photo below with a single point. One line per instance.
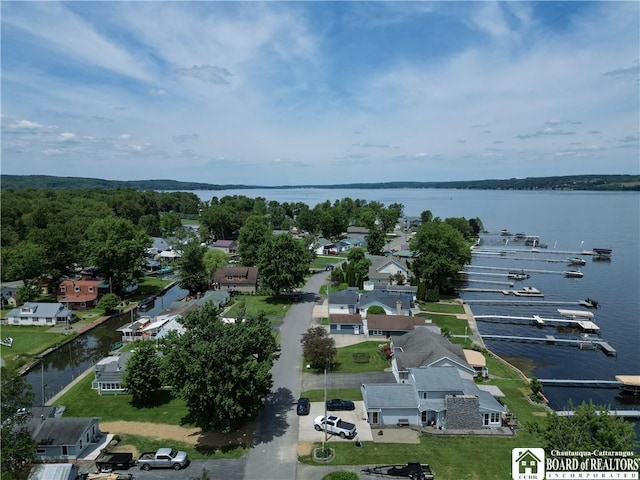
(163, 458)
(338, 404)
(304, 406)
(335, 426)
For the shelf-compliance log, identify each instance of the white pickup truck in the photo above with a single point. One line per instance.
(163, 458)
(335, 426)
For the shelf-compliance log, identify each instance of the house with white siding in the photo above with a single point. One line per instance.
(36, 313)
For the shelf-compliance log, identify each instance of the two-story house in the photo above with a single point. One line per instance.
(80, 294)
(238, 279)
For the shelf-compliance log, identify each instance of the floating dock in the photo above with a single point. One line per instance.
(581, 343)
(585, 325)
(593, 383)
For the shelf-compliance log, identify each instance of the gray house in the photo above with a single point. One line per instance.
(109, 373)
(344, 301)
(60, 438)
(440, 397)
(383, 271)
(392, 303)
(349, 323)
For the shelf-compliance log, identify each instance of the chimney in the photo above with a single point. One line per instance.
(399, 307)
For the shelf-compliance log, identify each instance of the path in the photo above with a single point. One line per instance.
(274, 455)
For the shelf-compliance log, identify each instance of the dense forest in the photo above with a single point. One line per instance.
(572, 182)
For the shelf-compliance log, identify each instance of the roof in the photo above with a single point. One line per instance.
(344, 297)
(224, 244)
(393, 322)
(51, 471)
(474, 358)
(111, 368)
(493, 390)
(422, 347)
(59, 431)
(240, 275)
(437, 379)
(389, 395)
(386, 298)
(345, 318)
(354, 229)
(40, 310)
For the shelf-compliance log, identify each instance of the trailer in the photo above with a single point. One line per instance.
(412, 470)
(110, 461)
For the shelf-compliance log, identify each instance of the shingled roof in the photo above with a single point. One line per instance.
(421, 347)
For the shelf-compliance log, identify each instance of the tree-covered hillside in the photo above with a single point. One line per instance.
(571, 182)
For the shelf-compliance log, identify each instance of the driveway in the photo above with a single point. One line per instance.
(307, 432)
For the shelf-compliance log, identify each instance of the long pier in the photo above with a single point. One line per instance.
(583, 344)
(585, 325)
(521, 302)
(568, 382)
(616, 413)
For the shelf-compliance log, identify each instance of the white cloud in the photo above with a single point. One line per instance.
(52, 151)
(26, 125)
(68, 136)
(124, 136)
(157, 92)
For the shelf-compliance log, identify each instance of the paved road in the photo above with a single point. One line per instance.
(274, 455)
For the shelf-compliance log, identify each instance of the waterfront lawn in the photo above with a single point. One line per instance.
(462, 458)
(353, 394)
(270, 305)
(361, 357)
(453, 323)
(81, 401)
(28, 341)
(452, 308)
(149, 286)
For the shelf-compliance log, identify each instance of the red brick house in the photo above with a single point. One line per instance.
(238, 279)
(79, 294)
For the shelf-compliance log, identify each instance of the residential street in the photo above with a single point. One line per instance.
(274, 454)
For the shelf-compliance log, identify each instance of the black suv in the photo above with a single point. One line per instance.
(303, 406)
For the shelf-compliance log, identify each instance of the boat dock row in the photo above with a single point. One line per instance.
(585, 325)
(581, 343)
(523, 292)
(628, 383)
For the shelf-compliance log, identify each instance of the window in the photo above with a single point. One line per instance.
(375, 332)
(495, 417)
(64, 450)
(424, 417)
(425, 395)
(76, 289)
(63, 288)
(375, 418)
(91, 289)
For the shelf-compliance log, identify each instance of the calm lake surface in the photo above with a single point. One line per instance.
(566, 221)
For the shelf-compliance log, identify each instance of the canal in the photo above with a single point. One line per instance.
(60, 367)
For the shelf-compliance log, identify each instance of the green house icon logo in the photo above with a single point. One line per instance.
(527, 463)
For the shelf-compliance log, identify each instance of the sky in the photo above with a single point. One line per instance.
(300, 93)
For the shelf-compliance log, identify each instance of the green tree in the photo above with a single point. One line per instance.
(375, 242)
(318, 348)
(117, 248)
(251, 237)
(376, 310)
(389, 217)
(191, 269)
(589, 428)
(356, 268)
(142, 378)
(426, 216)
(26, 262)
(221, 370)
(536, 387)
(213, 259)
(170, 223)
(461, 224)
(151, 225)
(283, 262)
(440, 251)
(109, 302)
(17, 446)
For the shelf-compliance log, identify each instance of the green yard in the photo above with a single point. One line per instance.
(271, 306)
(28, 342)
(453, 323)
(452, 308)
(361, 357)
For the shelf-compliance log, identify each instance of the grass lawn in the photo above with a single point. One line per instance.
(271, 306)
(28, 341)
(145, 444)
(353, 394)
(442, 307)
(149, 286)
(81, 401)
(450, 458)
(453, 323)
(361, 357)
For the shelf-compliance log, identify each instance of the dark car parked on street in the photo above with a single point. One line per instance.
(338, 404)
(303, 406)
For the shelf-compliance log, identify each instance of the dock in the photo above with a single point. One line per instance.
(523, 292)
(520, 302)
(568, 382)
(585, 325)
(616, 413)
(581, 343)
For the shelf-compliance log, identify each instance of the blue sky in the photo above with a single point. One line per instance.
(283, 93)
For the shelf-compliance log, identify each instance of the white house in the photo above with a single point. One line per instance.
(35, 313)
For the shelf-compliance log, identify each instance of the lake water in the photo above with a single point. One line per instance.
(566, 221)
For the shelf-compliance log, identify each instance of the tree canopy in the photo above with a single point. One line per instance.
(18, 448)
(221, 370)
(283, 262)
(252, 235)
(318, 348)
(191, 268)
(142, 377)
(440, 251)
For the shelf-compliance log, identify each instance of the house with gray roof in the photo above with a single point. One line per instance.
(442, 397)
(344, 301)
(37, 313)
(109, 374)
(424, 348)
(390, 325)
(392, 303)
(383, 271)
(346, 323)
(61, 438)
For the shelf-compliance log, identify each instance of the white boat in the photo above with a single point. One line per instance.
(575, 313)
(528, 292)
(515, 275)
(576, 261)
(573, 274)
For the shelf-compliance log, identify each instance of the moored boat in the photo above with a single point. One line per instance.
(576, 261)
(518, 275)
(573, 274)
